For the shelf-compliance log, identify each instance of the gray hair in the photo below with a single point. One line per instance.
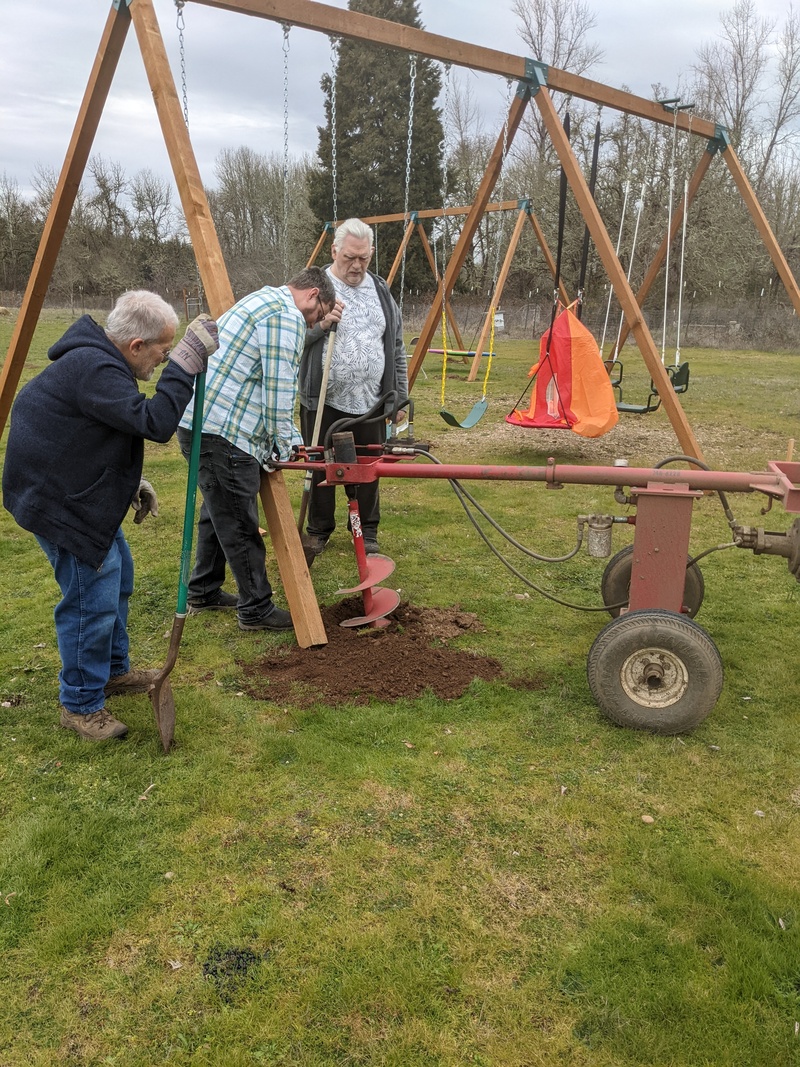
(140, 313)
(352, 228)
(315, 278)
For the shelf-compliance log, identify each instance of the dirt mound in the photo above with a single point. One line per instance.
(399, 661)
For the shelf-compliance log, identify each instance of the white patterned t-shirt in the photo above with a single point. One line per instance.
(359, 359)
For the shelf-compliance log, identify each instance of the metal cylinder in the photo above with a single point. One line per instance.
(598, 536)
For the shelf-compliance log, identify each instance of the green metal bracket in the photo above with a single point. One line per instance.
(524, 205)
(413, 216)
(122, 3)
(327, 227)
(535, 78)
(720, 141)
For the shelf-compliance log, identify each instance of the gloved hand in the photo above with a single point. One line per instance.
(197, 344)
(145, 502)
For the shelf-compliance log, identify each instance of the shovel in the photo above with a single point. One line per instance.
(161, 693)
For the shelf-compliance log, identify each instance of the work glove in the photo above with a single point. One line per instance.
(197, 344)
(145, 502)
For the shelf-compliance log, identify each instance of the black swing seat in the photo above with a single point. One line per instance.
(679, 376)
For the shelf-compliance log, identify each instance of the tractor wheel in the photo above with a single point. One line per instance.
(655, 670)
(615, 586)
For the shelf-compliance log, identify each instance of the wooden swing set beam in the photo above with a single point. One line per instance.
(323, 18)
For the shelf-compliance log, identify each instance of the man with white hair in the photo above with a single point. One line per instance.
(73, 468)
(368, 364)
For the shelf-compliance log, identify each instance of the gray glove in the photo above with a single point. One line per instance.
(145, 501)
(197, 344)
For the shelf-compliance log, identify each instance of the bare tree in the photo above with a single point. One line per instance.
(731, 69)
(107, 200)
(151, 199)
(557, 32)
(786, 109)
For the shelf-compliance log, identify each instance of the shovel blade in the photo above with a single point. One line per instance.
(164, 710)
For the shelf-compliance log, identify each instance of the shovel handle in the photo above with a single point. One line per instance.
(323, 392)
(191, 495)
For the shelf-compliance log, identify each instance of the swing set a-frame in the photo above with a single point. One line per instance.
(535, 82)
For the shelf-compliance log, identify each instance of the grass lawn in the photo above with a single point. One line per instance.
(505, 880)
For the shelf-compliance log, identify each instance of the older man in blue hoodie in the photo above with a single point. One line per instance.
(73, 468)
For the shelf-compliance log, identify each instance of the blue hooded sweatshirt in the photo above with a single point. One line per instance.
(76, 441)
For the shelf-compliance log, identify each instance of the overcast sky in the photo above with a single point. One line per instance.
(235, 73)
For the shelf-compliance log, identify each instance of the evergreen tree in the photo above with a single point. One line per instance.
(373, 92)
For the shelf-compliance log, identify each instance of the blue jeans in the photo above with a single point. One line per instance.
(228, 526)
(91, 622)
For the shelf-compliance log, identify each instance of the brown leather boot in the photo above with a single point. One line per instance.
(99, 726)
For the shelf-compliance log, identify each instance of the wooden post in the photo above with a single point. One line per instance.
(80, 145)
(296, 580)
(399, 257)
(616, 274)
(318, 246)
(282, 525)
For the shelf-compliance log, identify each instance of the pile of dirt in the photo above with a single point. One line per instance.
(398, 661)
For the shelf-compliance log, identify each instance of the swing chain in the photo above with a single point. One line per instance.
(286, 28)
(445, 229)
(412, 87)
(334, 42)
(181, 24)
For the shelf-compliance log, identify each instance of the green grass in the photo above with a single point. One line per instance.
(299, 887)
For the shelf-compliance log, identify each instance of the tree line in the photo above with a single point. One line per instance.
(405, 133)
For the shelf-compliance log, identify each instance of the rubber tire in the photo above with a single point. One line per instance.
(616, 583)
(675, 647)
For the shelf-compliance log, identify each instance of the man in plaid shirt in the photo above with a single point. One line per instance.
(251, 386)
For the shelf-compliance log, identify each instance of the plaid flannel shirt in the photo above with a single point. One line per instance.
(251, 382)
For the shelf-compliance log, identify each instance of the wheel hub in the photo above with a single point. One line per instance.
(654, 677)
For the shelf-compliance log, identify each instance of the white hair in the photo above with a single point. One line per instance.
(140, 313)
(352, 228)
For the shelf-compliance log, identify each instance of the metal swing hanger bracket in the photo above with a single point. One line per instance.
(721, 141)
(118, 4)
(535, 78)
(674, 104)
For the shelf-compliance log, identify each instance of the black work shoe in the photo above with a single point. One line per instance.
(371, 546)
(220, 601)
(136, 680)
(277, 619)
(313, 546)
(99, 726)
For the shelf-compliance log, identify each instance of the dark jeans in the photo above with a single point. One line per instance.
(91, 622)
(227, 530)
(322, 502)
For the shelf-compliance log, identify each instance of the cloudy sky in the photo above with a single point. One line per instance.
(235, 72)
